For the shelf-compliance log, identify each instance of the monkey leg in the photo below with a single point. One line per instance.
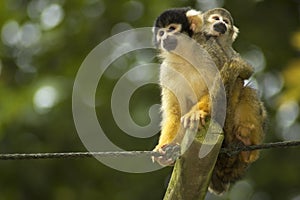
(249, 120)
(198, 113)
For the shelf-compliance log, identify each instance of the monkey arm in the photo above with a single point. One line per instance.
(233, 74)
(171, 118)
(240, 67)
(170, 128)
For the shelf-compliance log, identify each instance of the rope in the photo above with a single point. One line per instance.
(272, 145)
(68, 155)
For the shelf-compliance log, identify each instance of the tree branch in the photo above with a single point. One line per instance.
(191, 175)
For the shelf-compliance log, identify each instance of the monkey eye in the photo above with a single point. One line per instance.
(216, 17)
(171, 28)
(226, 21)
(161, 33)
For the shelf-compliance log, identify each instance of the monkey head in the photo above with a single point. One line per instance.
(216, 23)
(169, 24)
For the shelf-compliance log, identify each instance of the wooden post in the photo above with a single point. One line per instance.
(191, 175)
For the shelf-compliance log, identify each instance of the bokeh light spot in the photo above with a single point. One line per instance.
(45, 98)
(296, 197)
(35, 8)
(94, 8)
(272, 84)
(52, 16)
(30, 34)
(10, 33)
(256, 58)
(134, 10)
(241, 190)
(120, 27)
(287, 113)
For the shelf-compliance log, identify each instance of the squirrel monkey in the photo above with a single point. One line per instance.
(245, 114)
(177, 76)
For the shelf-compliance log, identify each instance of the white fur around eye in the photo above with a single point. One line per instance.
(175, 27)
(212, 18)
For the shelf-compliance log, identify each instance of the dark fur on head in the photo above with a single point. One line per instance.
(173, 16)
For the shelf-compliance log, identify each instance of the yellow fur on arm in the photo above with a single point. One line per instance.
(171, 118)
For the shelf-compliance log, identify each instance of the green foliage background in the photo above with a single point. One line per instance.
(47, 57)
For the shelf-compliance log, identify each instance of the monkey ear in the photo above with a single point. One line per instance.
(195, 20)
(235, 33)
(192, 12)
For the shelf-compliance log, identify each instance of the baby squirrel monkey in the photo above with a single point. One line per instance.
(245, 114)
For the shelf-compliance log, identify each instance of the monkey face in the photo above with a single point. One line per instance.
(169, 24)
(165, 37)
(219, 23)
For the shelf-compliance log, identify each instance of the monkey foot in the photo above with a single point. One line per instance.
(245, 134)
(191, 119)
(169, 154)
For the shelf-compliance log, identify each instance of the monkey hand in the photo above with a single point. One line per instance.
(191, 119)
(198, 114)
(169, 154)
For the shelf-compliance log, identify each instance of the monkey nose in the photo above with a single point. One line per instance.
(220, 27)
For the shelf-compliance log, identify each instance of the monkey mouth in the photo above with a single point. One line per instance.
(212, 35)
